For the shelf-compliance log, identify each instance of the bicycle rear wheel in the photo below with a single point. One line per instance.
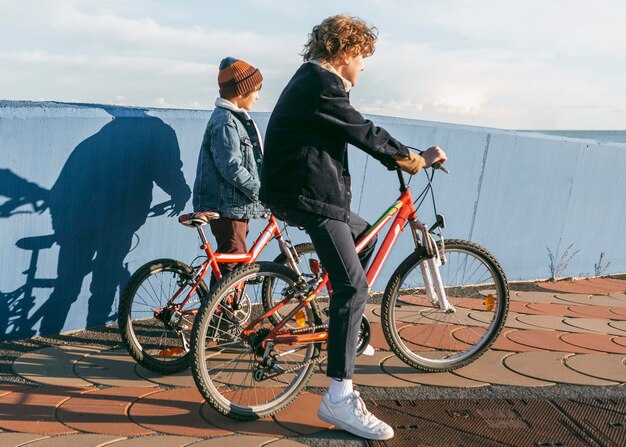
(228, 368)
(431, 339)
(155, 332)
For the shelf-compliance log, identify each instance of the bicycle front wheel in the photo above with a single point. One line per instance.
(156, 328)
(235, 372)
(429, 338)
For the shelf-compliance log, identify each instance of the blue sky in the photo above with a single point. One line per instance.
(551, 64)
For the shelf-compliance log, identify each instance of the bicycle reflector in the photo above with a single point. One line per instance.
(314, 265)
(300, 318)
(171, 352)
(490, 302)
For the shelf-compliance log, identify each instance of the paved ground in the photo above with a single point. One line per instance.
(555, 377)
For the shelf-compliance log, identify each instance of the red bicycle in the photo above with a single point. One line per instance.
(443, 307)
(160, 301)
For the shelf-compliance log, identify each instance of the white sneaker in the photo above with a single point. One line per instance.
(351, 415)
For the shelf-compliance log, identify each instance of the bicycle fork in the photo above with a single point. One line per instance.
(430, 269)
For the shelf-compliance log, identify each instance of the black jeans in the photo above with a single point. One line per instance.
(334, 243)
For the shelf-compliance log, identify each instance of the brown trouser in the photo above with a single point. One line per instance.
(230, 235)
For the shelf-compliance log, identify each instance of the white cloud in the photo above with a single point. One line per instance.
(495, 63)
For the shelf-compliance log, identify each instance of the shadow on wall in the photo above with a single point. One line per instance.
(100, 199)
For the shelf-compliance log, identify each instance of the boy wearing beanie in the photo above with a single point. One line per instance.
(227, 176)
(306, 149)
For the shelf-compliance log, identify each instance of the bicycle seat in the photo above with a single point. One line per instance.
(198, 219)
(36, 242)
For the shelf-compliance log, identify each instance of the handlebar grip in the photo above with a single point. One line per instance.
(439, 165)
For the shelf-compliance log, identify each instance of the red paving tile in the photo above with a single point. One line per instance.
(523, 308)
(602, 366)
(377, 338)
(620, 312)
(490, 368)
(261, 427)
(620, 341)
(6, 388)
(104, 411)
(595, 342)
(436, 336)
(502, 343)
(550, 366)
(602, 312)
(176, 412)
(558, 310)
(547, 340)
(594, 286)
(301, 416)
(33, 410)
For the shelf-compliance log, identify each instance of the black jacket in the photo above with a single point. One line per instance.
(305, 163)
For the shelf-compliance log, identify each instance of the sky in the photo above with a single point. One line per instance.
(531, 64)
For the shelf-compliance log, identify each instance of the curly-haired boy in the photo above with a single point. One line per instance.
(306, 182)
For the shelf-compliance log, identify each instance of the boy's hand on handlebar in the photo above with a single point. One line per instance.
(411, 164)
(434, 154)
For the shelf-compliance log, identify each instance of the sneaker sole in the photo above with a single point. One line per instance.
(339, 424)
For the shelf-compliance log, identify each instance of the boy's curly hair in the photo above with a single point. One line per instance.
(340, 35)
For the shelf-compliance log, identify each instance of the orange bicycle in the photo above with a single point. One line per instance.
(443, 307)
(160, 301)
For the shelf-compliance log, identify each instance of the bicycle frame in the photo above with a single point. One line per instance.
(404, 211)
(271, 230)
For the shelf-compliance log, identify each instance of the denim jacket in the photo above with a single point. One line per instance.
(227, 176)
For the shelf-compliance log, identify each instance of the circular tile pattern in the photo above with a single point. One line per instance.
(602, 312)
(368, 371)
(620, 313)
(33, 410)
(175, 411)
(260, 427)
(595, 342)
(533, 297)
(548, 322)
(377, 338)
(83, 440)
(602, 366)
(396, 368)
(235, 441)
(620, 341)
(587, 300)
(543, 339)
(490, 368)
(18, 439)
(511, 322)
(157, 441)
(301, 416)
(557, 310)
(103, 411)
(592, 325)
(549, 366)
(53, 365)
(502, 343)
(110, 368)
(182, 379)
(619, 325)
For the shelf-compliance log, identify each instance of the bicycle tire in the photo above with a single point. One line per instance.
(224, 364)
(429, 339)
(147, 339)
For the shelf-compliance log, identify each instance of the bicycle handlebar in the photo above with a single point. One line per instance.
(439, 165)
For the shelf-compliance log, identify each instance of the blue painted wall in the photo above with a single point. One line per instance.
(81, 185)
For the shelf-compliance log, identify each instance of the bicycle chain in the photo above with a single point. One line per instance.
(317, 359)
(296, 367)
